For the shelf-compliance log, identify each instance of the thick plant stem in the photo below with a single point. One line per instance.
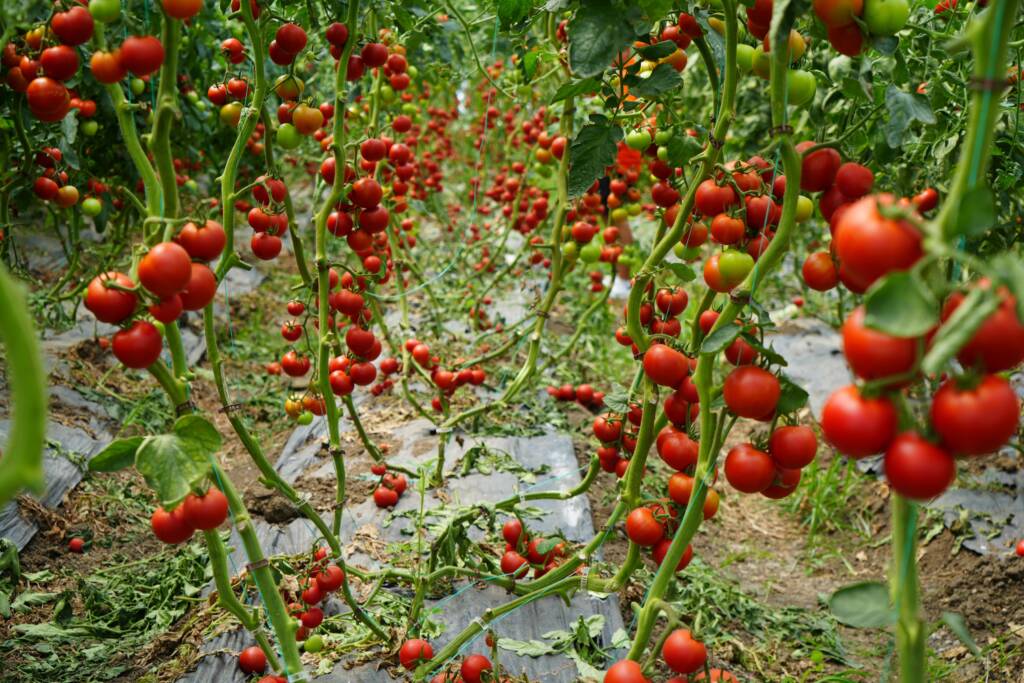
(166, 108)
(910, 629)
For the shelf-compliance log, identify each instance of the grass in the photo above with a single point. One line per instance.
(830, 499)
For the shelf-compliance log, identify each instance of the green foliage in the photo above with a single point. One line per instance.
(591, 151)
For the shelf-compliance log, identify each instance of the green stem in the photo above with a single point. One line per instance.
(910, 629)
(166, 109)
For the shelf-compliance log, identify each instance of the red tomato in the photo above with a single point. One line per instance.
(385, 497)
(206, 512)
(413, 652)
(74, 26)
(202, 285)
(643, 528)
(712, 199)
(166, 269)
(142, 55)
(138, 346)
(976, 420)
(819, 271)
(793, 447)
(918, 469)
(751, 392)
(858, 426)
(660, 551)
(682, 653)
(110, 305)
(473, 667)
(170, 527)
(182, 9)
(626, 671)
(749, 470)
(999, 342)
(818, 169)
(665, 366)
(854, 180)
(48, 100)
(678, 450)
(869, 245)
(876, 355)
(514, 565)
(252, 660)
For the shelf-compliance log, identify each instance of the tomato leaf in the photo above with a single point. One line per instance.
(513, 11)
(862, 605)
(682, 271)
(597, 36)
(574, 88)
(118, 455)
(617, 402)
(682, 148)
(901, 305)
(976, 213)
(548, 544)
(200, 430)
(720, 338)
(793, 397)
(904, 108)
(592, 150)
(766, 351)
(957, 330)
(658, 50)
(663, 79)
(956, 623)
(171, 463)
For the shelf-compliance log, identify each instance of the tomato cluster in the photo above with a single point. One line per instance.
(205, 512)
(583, 394)
(523, 552)
(390, 488)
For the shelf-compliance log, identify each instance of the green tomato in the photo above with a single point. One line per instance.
(745, 57)
(138, 86)
(679, 250)
(191, 185)
(288, 137)
(804, 208)
(570, 251)
(663, 153)
(202, 105)
(92, 207)
(105, 11)
(762, 63)
(314, 643)
(387, 93)
(634, 209)
(886, 17)
(412, 71)
(89, 128)
(686, 253)
(590, 252)
(735, 265)
(663, 136)
(305, 418)
(619, 213)
(800, 87)
(638, 140)
(410, 109)
(192, 96)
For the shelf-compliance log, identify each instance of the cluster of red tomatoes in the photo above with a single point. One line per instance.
(205, 512)
(174, 278)
(320, 578)
(52, 184)
(268, 219)
(522, 552)
(662, 318)
(584, 394)
(974, 413)
(681, 652)
(390, 488)
(446, 381)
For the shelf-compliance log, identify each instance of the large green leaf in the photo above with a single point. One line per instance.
(976, 213)
(901, 305)
(658, 50)
(591, 151)
(513, 11)
(574, 88)
(118, 455)
(682, 148)
(172, 463)
(720, 338)
(863, 605)
(793, 397)
(597, 34)
(663, 79)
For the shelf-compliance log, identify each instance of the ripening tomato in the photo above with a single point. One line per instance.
(413, 652)
(869, 246)
(682, 653)
(876, 355)
(858, 426)
(751, 392)
(847, 40)
(643, 528)
(793, 447)
(748, 469)
(170, 527)
(975, 420)
(835, 13)
(918, 469)
(206, 512)
(107, 304)
(106, 67)
(138, 346)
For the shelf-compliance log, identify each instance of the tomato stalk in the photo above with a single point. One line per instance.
(166, 108)
(23, 453)
(911, 631)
